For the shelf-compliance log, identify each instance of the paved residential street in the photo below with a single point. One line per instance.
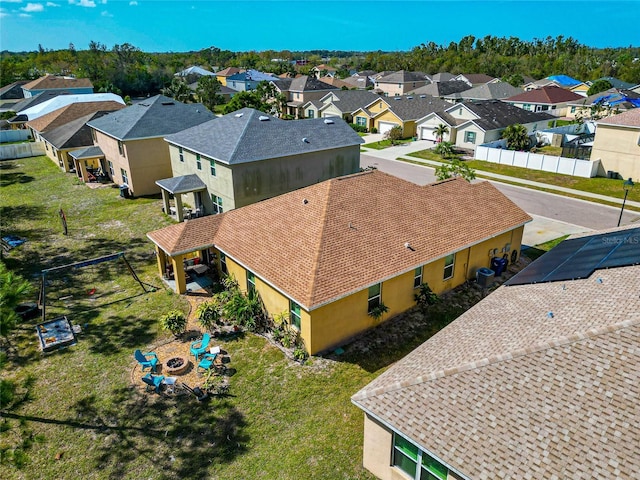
(554, 215)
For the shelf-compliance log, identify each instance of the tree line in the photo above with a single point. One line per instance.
(127, 70)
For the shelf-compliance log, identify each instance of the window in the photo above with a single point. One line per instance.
(449, 263)
(93, 135)
(217, 204)
(407, 457)
(212, 167)
(46, 145)
(125, 177)
(470, 137)
(310, 113)
(112, 171)
(198, 162)
(573, 109)
(181, 154)
(362, 121)
(121, 148)
(374, 296)
(251, 282)
(294, 314)
(417, 277)
(526, 106)
(223, 263)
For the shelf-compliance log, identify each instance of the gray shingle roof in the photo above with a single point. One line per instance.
(351, 100)
(89, 152)
(183, 184)
(154, 117)
(242, 136)
(13, 91)
(507, 391)
(488, 91)
(72, 134)
(442, 77)
(495, 114)
(413, 108)
(442, 88)
(403, 76)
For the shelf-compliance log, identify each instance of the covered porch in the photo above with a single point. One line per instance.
(88, 164)
(177, 187)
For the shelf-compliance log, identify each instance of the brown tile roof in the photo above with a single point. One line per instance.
(71, 112)
(227, 72)
(630, 118)
(49, 82)
(509, 391)
(550, 94)
(348, 233)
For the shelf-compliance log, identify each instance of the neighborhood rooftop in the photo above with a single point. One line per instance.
(529, 382)
(153, 117)
(347, 244)
(549, 94)
(249, 135)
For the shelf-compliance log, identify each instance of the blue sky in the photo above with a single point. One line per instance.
(241, 25)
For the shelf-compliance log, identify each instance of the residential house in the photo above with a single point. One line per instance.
(194, 71)
(299, 91)
(384, 113)
(247, 156)
(603, 104)
(562, 81)
(538, 380)
(615, 83)
(223, 74)
(360, 82)
(474, 123)
(441, 89)
(333, 257)
(323, 70)
(551, 99)
(400, 83)
(617, 144)
(339, 103)
(10, 95)
(247, 81)
(475, 79)
(47, 102)
(487, 91)
(68, 113)
(335, 81)
(132, 140)
(444, 77)
(64, 141)
(55, 83)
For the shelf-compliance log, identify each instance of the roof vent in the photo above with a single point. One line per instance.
(305, 140)
(263, 118)
(409, 98)
(168, 103)
(423, 96)
(549, 314)
(408, 246)
(305, 201)
(397, 98)
(238, 115)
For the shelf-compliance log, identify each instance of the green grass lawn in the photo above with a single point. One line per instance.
(79, 413)
(542, 248)
(599, 185)
(382, 144)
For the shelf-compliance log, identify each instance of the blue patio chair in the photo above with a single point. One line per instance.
(199, 347)
(154, 381)
(206, 363)
(146, 360)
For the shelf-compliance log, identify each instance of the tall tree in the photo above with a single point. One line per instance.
(13, 289)
(178, 90)
(599, 86)
(208, 91)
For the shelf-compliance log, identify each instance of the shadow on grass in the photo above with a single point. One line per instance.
(177, 437)
(12, 178)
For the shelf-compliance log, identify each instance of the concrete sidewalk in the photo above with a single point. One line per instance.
(400, 152)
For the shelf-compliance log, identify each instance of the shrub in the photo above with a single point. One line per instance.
(374, 130)
(359, 128)
(378, 311)
(208, 313)
(174, 321)
(300, 354)
(425, 297)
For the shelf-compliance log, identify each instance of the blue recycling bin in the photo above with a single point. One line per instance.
(498, 265)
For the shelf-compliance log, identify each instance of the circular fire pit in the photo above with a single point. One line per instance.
(176, 365)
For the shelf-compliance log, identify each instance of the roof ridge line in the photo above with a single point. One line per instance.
(316, 256)
(242, 133)
(483, 362)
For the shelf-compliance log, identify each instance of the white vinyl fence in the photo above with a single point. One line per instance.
(7, 136)
(537, 161)
(21, 150)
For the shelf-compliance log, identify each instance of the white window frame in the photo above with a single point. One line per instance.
(212, 167)
(125, 176)
(375, 300)
(362, 121)
(470, 137)
(112, 171)
(251, 282)
(417, 277)
(311, 113)
(295, 317)
(449, 266)
(121, 148)
(217, 204)
(198, 162)
(181, 154)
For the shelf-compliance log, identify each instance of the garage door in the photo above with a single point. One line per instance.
(428, 133)
(384, 127)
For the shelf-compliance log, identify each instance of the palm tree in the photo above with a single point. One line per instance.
(13, 289)
(440, 131)
(517, 137)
